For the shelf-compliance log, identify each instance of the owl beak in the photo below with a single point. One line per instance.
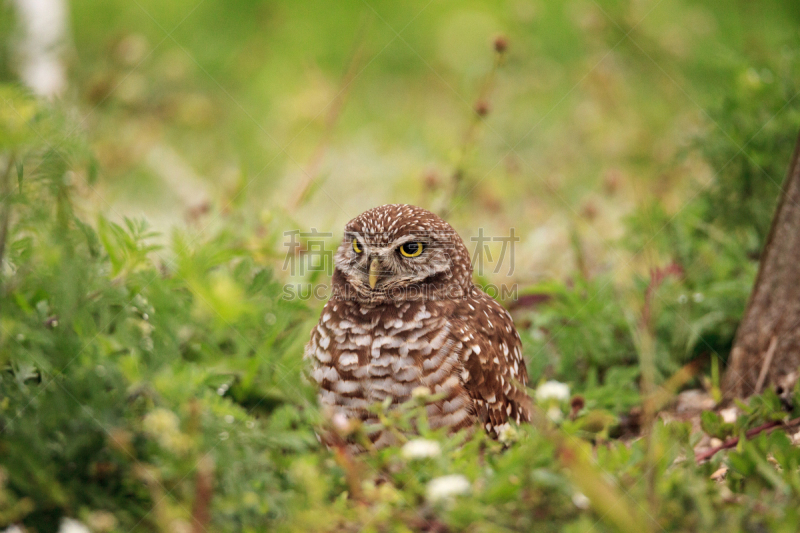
(374, 272)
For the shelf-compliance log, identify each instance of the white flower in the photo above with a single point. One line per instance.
(729, 415)
(421, 448)
(553, 389)
(445, 487)
(506, 433)
(68, 525)
(580, 500)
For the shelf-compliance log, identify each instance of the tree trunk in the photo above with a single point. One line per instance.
(766, 351)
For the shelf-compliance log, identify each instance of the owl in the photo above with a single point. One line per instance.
(404, 313)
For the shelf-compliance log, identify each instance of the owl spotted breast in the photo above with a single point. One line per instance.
(404, 313)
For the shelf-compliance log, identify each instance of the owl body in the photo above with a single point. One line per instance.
(404, 314)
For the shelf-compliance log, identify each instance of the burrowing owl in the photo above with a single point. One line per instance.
(405, 313)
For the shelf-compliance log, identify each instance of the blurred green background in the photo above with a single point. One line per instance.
(235, 106)
(635, 147)
(608, 124)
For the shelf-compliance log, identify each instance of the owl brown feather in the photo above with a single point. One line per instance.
(424, 324)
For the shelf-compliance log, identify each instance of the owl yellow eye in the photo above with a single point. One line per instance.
(411, 249)
(356, 248)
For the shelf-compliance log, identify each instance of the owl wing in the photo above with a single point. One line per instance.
(320, 354)
(493, 371)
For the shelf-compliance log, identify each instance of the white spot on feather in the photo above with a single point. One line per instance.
(348, 358)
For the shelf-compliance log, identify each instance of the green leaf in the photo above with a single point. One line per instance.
(714, 425)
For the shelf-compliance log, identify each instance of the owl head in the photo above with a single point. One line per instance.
(401, 252)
